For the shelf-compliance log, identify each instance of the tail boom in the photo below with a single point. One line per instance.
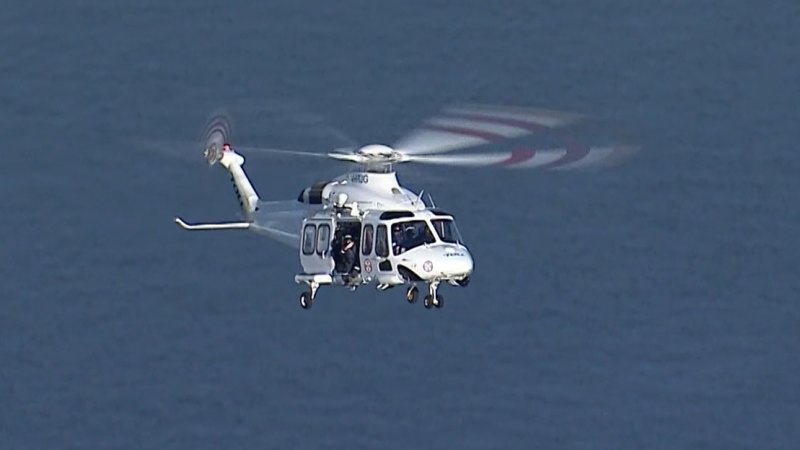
(233, 162)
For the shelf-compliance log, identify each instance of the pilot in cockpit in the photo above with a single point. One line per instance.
(428, 239)
(397, 239)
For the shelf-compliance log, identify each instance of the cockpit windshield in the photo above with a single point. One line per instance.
(411, 234)
(447, 231)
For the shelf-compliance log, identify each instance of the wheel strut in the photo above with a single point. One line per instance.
(432, 298)
(432, 288)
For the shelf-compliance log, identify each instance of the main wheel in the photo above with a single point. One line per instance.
(411, 294)
(428, 301)
(438, 302)
(305, 300)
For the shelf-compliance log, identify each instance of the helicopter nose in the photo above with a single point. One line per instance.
(459, 262)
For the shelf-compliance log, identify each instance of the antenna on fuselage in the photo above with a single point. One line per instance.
(419, 197)
(430, 199)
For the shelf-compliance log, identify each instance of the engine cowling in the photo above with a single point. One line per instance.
(312, 195)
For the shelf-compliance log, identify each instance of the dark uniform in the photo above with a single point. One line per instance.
(346, 261)
(397, 240)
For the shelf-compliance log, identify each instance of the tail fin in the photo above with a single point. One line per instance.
(232, 162)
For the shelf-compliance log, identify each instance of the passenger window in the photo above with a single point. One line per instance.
(366, 245)
(323, 239)
(381, 242)
(309, 238)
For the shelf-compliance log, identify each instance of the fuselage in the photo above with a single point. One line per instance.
(368, 189)
(400, 238)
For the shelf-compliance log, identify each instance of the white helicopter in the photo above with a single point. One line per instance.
(364, 228)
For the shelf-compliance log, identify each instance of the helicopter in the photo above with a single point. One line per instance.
(363, 227)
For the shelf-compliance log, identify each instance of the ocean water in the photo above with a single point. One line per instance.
(653, 305)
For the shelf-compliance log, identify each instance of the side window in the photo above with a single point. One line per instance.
(309, 238)
(366, 240)
(381, 243)
(323, 238)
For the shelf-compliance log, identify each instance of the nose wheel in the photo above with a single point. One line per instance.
(433, 299)
(433, 302)
(411, 294)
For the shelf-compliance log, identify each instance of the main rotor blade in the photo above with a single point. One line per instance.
(559, 158)
(279, 151)
(466, 126)
(219, 131)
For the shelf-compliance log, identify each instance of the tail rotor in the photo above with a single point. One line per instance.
(217, 137)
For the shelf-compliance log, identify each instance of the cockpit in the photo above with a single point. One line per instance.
(409, 234)
(447, 231)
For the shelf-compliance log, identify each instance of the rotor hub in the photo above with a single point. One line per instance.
(377, 151)
(378, 155)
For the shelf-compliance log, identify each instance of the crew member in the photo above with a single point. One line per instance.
(347, 259)
(397, 239)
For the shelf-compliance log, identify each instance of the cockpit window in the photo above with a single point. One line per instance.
(447, 231)
(411, 234)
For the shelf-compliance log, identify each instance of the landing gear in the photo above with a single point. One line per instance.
(433, 299)
(306, 300)
(431, 302)
(307, 297)
(411, 294)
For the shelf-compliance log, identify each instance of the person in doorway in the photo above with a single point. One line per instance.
(347, 260)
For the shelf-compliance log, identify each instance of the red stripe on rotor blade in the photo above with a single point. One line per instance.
(485, 135)
(575, 152)
(518, 156)
(524, 124)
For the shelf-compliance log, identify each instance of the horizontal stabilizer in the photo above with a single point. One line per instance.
(212, 226)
